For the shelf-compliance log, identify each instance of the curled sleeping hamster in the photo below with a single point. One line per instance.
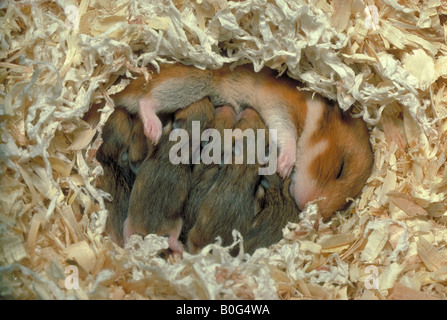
(204, 175)
(123, 149)
(327, 151)
(278, 208)
(161, 187)
(230, 203)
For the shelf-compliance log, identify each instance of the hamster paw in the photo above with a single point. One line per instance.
(176, 246)
(285, 163)
(151, 122)
(287, 152)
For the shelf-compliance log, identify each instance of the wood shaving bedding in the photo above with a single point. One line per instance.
(384, 60)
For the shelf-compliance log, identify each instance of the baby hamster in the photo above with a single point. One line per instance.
(278, 208)
(230, 203)
(123, 149)
(161, 187)
(204, 175)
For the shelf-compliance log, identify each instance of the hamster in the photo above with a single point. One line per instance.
(335, 158)
(123, 149)
(278, 208)
(230, 203)
(333, 146)
(204, 175)
(224, 119)
(161, 187)
(178, 85)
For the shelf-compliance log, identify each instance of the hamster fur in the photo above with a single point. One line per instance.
(161, 187)
(327, 151)
(230, 203)
(204, 175)
(123, 149)
(278, 208)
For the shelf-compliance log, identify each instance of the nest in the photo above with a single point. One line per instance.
(386, 61)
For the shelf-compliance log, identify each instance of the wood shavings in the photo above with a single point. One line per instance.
(422, 66)
(432, 258)
(13, 250)
(385, 61)
(161, 23)
(406, 204)
(401, 292)
(376, 242)
(82, 254)
(336, 242)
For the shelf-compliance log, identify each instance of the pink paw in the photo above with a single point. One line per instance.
(151, 122)
(176, 246)
(286, 161)
(153, 129)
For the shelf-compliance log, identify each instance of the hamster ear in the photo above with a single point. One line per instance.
(259, 199)
(272, 181)
(260, 192)
(134, 168)
(286, 185)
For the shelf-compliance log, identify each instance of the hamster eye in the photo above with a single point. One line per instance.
(340, 170)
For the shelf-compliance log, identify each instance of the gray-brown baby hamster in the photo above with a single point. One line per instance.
(231, 201)
(204, 175)
(278, 208)
(123, 149)
(161, 187)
